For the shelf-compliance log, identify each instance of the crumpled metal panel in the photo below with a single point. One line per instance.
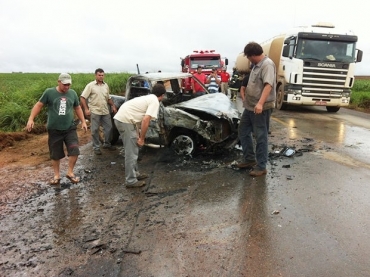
(216, 104)
(211, 130)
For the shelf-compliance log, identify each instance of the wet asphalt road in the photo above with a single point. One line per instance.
(200, 217)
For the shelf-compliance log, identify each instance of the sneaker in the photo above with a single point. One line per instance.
(256, 173)
(109, 147)
(142, 177)
(97, 152)
(246, 164)
(138, 184)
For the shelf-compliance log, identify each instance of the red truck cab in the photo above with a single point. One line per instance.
(207, 59)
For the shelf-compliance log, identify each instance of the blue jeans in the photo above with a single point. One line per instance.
(257, 124)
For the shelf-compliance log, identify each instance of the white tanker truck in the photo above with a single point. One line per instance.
(315, 66)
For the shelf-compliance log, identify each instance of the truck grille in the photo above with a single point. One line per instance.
(324, 82)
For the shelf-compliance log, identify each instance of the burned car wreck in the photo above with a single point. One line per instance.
(206, 123)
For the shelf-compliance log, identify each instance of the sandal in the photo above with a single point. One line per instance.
(73, 179)
(54, 181)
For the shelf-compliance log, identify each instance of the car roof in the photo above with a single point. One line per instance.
(162, 76)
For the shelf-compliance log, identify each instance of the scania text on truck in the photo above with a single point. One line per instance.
(315, 66)
(207, 59)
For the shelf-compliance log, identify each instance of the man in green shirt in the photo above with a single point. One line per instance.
(61, 102)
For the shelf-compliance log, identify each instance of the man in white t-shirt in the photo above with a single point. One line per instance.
(132, 121)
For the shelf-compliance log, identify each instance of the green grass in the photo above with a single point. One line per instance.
(360, 97)
(20, 91)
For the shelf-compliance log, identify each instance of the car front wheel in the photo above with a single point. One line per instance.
(183, 145)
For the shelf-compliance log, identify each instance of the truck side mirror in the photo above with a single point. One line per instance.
(359, 56)
(226, 61)
(286, 50)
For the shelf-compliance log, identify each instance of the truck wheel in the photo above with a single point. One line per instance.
(183, 145)
(280, 105)
(332, 109)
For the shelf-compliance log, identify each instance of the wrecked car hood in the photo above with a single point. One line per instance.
(216, 104)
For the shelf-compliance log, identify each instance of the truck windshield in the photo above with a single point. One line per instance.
(323, 50)
(206, 63)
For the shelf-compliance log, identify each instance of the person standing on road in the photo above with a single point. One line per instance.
(61, 101)
(132, 121)
(235, 83)
(225, 77)
(213, 81)
(258, 103)
(95, 100)
(198, 90)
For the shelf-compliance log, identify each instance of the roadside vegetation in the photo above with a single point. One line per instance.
(360, 98)
(20, 91)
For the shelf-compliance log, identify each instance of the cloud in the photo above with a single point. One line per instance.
(78, 36)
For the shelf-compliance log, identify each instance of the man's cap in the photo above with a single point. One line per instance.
(65, 78)
(214, 69)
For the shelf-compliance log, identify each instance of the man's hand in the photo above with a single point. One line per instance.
(87, 112)
(30, 125)
(84, 126)
(140, 142)
(258, 109)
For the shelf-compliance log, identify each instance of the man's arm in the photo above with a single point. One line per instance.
(84, 106)
(265, 93)
(111, 103)
(244, 86)
(242, 92)
(83, 99)
(144, 128)
(81, 117)
(34, 112)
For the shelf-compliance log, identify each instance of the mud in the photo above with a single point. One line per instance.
(193, 210)
(193, 218)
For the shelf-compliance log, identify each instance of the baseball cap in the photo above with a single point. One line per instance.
(65, 78)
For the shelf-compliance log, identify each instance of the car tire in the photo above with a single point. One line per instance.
(184, 144)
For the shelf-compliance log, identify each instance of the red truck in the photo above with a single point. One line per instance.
(208, 59)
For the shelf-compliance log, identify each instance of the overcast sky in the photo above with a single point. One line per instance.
(78, 36)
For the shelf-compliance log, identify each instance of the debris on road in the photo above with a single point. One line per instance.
(131, 251)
